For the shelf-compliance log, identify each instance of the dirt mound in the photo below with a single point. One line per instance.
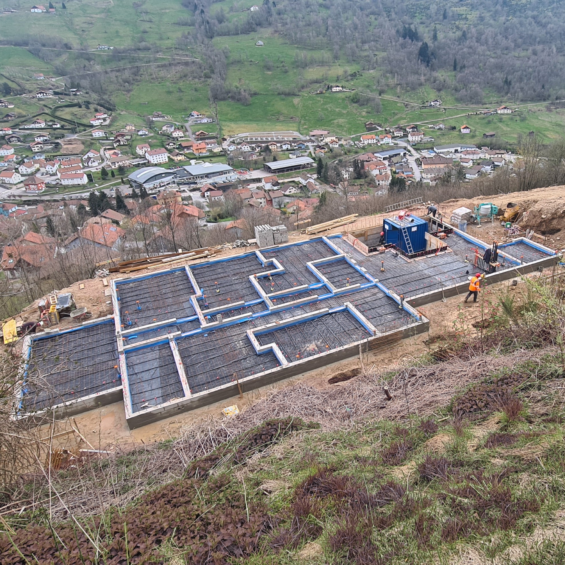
(546, 217)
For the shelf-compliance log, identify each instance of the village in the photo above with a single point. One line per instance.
(132, 188)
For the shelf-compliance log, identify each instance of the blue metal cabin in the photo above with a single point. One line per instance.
(408, 233)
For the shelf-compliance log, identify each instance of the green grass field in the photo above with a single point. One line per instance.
(282, 92)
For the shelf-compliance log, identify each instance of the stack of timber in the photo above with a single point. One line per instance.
(160, 261)
(331, 224)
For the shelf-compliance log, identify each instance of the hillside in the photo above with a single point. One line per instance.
(391, 59)
(463, 464)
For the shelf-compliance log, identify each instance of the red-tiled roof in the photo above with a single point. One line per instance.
(106, 234)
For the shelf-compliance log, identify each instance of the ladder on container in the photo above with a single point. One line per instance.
(405, 204)
(407, 241)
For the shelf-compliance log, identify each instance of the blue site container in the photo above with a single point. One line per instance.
(415, 230)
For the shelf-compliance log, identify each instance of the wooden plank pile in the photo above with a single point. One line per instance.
(161, 260)
(331, 224)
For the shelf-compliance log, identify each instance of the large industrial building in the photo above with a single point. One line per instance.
(288, 165)
(193, 335)
(152, 177)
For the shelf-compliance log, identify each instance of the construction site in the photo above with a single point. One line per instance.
(192, 335)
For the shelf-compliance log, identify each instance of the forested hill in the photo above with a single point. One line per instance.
(509, 47)
(261, 65)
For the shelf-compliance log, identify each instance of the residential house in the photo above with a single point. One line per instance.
(68, 163)
(415, 137)
(245, 147)
(487, 166)
(121, 138)
(105, 236)
(72, 169)
(10, 177)
(498, 161)
(199, 148)
(368, 139)
(44, 94)
(6, 209)
(270, 182)
(42, 137)
(319, 133)
(489, 135)
(51, 166)
(156, 156)
(185, 146)
(177, 133)
(433, 173)
(38, 123)
(31, 251)
(259, 196)
(215, 196)
(168, 128)
(503, 110)
(237, 228)
(177, 156)
(473, 172)
(73, 179)
(371, 126)
(189, 212)
(34, 185)
(13, 138)
(38, 10)
(143, 133)
(382, 179)
(101, 115)
(169, 198)
(295, 206)
(96, 121)
(36, 146)
(411, 128)
(313, 188)
(436, 162)
(398, 132)
(5, 131)
(289, 190)
(114, 216)
(385, 139)
(304, 178)
(466, 162)
(243, 193)
(142, 149)
(6, 150)
(120, 161)
(92, 153)
(465, 129)
(206, 189)
(275, 199)
(98, 133)
(28, 167)
(130, 128)
(337, 88)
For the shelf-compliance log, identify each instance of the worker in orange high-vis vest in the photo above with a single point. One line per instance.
(475, 287)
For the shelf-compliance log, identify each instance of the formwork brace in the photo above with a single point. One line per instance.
(180, 367)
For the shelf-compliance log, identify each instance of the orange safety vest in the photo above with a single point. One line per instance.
(474, 284)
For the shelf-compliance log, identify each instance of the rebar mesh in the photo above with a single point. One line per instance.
(222, 356)
(155, 299)
(523, 252)
(227, 282)
(163, 331)
(153, 377)
(316, 336)
(341, 274)
(294, 260)
(72, 365)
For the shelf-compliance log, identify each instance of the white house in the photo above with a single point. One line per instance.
(368, 139)
(39, 123)
(385, 139)
(465, 129)
(177, 133)
(42, 137)
(51, 167)
(156, 156)
(38, 9)
(143, 133)
(289, 189)
(96, 121)
(92, 154)
(5, 131)
(168, 128)
(142, 149)
(337, 89)
(415, 137)
(6, 150)
(98, 133)
(28, 168)
(101, 115)
(73, 179)
(503, 110)
(10, 177)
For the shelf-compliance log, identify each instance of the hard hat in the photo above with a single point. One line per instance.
(478, 275)
(382, 233)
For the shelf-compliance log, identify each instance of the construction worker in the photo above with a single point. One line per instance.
(382, 238)
(432, 209)
(475, 287)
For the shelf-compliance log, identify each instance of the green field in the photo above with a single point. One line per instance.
(282, 91)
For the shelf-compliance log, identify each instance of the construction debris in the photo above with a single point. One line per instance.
(160, 260)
